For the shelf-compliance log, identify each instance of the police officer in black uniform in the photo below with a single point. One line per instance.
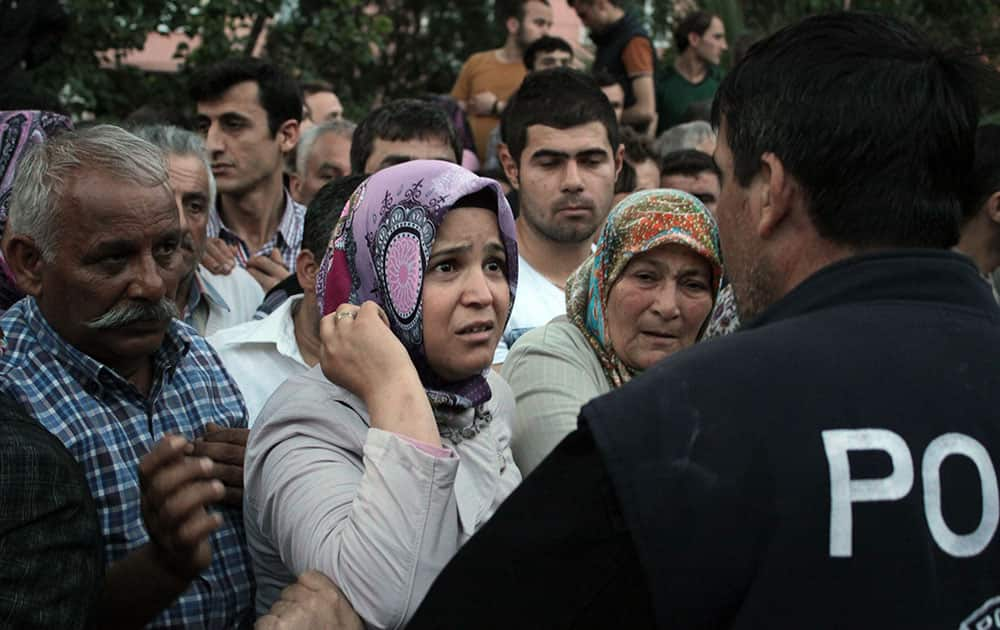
(832, 465)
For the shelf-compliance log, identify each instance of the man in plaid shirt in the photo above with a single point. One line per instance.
(96, 355)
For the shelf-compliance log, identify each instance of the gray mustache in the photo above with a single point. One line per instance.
(132, 312)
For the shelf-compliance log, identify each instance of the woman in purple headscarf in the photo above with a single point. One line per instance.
(18, 131)
(377, 467)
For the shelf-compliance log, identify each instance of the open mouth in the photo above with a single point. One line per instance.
(476, 328)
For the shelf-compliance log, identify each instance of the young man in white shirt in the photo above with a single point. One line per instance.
(561, 152)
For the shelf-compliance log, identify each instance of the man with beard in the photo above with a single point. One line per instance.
(206, 301)
(140, 400)
(833, 464)
(561, 152)
(488, 78)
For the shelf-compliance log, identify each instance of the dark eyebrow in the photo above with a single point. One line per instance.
(591, 153)
(451, 251)
(233, 117)
(549, 153)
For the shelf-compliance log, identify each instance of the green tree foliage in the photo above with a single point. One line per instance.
(371, 51)
(374, 50)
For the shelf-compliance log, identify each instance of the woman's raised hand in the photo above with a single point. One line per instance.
(361, 354)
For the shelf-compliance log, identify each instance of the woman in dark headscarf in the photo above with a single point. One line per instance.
(18, 131)
(361, 479)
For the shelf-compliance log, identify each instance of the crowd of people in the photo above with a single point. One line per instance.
(616, 347)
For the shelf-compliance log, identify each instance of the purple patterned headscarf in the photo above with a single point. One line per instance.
(18, 131)
(379, 252)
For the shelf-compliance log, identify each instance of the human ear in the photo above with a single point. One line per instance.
(775, 194)
(509, 166)
(26, 263)
(992, 207)
(288, 135)
(513, 24)
(306, 269)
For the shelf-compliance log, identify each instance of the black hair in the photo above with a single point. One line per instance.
(689, 162)
(986, 169)
(403, 119)
(874, 123)
(638, 148)
(559, 98)
(626, 181)
(279, 94)
(696, 23)
(324, 212)
(544, 44)
(316, 87)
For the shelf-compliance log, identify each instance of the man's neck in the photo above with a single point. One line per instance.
(690, 66)
(184, 292)
(141, 376)
(255, 215)
(511, 51)
(305, 319)
(976, 244)
(554, 260)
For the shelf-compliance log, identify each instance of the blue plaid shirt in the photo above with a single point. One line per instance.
(108, 426)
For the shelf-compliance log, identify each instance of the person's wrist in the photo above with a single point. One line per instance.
(495, 110)
(181, 573)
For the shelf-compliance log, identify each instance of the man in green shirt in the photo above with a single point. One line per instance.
(695, 74)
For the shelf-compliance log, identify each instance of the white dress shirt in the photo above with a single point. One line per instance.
(261, 354)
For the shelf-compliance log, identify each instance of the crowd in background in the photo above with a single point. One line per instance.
(623, 345)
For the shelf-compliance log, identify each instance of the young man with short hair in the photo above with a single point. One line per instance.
(320, 104)
(693, 172)
(562, 153)
(248, 112)
(400, 131)
(694, 76)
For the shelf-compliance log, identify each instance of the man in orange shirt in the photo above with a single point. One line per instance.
(488, 78)
(625, 51)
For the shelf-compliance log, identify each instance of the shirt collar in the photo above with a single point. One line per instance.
(285, 228)
(201, 287)
(928, 275)
(278, 328)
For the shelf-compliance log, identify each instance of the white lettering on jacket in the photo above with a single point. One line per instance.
(845, 491)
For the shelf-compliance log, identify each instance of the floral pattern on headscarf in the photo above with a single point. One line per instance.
(18, 131)
(379, 252)
(640, 222)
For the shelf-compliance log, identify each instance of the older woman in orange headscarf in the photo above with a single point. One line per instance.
(645, 293)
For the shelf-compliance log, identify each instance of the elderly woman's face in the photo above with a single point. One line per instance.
(658, 304)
